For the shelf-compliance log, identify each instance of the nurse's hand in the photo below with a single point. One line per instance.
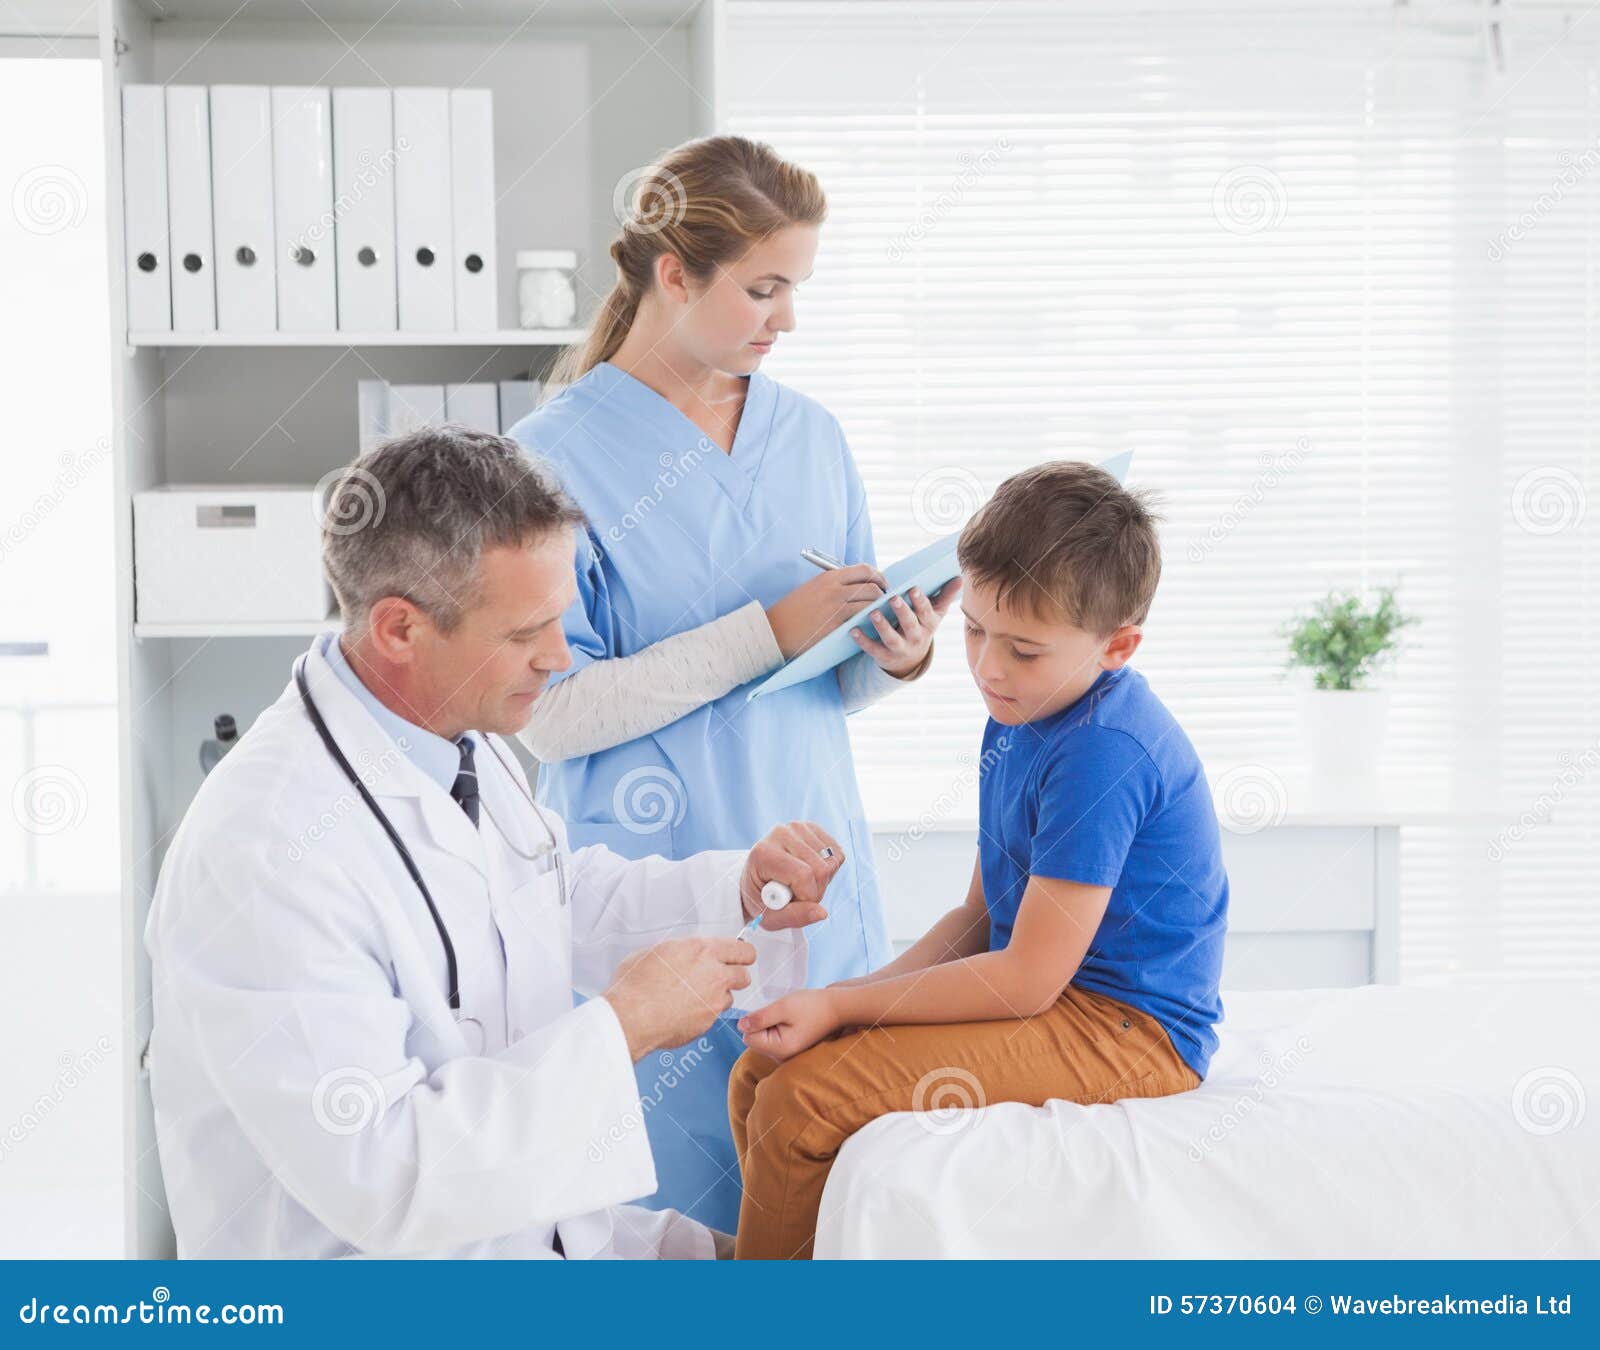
(670, 993)
(792, 854)
(900, 651)
(816, 607)
(791, 1024)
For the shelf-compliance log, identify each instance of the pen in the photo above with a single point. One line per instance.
(817, 558)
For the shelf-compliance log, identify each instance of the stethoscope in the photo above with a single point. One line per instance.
(452, 975)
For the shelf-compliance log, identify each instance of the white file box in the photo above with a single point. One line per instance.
(475, 406)
(194, 271)
(414, 406)
(302, 196)
(472, 216)
(144, 207)
(363, 187)
(228, 555)
(518, 398)
(241, 184)
(372, 414)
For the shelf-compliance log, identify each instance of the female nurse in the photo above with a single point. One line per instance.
(702, 481)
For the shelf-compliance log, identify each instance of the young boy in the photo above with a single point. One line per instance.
(1084, 963)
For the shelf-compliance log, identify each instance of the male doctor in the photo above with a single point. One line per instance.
(365, 1042)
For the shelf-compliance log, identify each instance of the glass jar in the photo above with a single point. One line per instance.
(547, 288)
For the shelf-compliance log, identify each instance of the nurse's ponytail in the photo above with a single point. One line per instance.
(707, 202)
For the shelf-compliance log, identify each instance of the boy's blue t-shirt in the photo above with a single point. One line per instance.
(1110, 792)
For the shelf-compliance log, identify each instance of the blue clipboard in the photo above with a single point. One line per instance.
(928, 569)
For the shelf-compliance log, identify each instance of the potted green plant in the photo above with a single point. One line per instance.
(1344, 640)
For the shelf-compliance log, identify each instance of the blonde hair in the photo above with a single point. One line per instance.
(706, 202)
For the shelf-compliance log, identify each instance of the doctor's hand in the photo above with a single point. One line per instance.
(791, 1024)
(792, 854)
(670, 993)
(816, 607)
(899, 651)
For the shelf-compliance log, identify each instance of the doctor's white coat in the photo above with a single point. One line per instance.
(315, 1095)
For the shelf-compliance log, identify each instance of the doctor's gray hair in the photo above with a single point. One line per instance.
(413, 518)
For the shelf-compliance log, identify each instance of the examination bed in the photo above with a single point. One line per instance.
(1381, 1121)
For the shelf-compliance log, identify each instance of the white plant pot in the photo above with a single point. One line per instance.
(1343, 730)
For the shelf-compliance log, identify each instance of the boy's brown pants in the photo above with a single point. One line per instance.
(790, 1118)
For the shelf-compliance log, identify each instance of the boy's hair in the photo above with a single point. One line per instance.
(1065, 539)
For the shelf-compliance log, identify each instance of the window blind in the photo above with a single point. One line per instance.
(1267, 251)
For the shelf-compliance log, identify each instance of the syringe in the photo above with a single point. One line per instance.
(774, 895)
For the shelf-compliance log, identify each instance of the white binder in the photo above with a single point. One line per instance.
(144, 207)
(422, 201)
(518, 398)
(476, 406)
(363, 187)
(372, 413)
(241, 185)
(412, 406)
(302, 194)
(472, 216)
(193, 261)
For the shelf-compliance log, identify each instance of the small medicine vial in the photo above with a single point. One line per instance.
(547, 288)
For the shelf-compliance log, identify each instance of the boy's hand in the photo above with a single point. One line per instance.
(900, 651)
(791, 1024)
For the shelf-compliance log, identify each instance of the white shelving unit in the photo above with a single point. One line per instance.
(583, 93)
(289, 628)
(507, 337)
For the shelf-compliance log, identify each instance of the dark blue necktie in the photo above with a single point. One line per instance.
(465, 788)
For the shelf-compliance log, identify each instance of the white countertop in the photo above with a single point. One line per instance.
(1254, 796)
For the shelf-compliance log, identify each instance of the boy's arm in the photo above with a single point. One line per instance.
(1055, 924)
(964, 931)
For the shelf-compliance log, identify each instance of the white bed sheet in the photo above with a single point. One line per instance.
(1380, 1122)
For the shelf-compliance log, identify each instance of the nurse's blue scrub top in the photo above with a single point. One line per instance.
(680, 533)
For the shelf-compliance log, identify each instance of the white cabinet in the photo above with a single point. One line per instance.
(1308, 906)
(1313, 873)
(582, 95)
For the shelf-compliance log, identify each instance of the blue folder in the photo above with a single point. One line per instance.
(928, 568)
